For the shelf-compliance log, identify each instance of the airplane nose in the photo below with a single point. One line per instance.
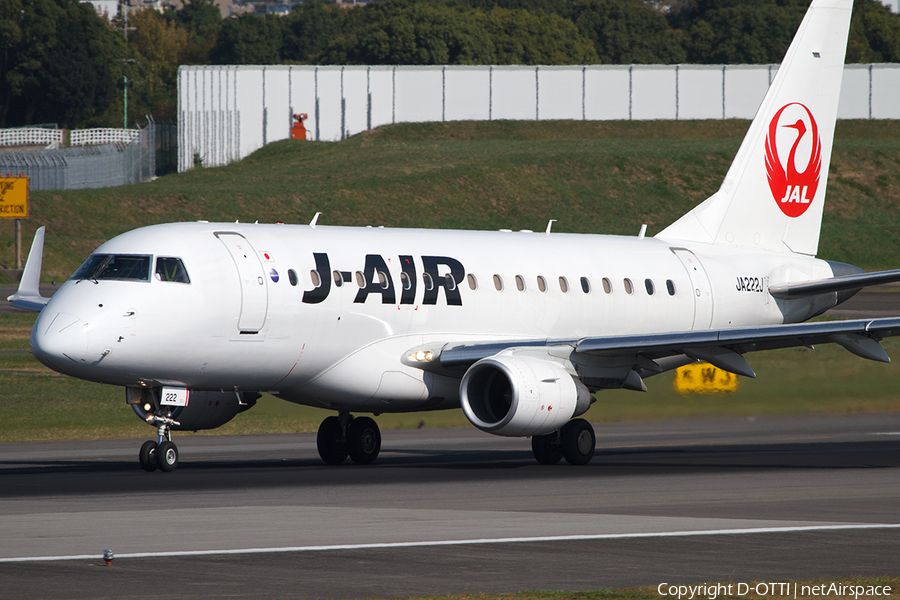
(59, 339)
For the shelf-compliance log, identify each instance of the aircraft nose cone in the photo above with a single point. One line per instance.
(58, 340)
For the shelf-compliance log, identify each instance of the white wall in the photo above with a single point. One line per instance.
(228, 112)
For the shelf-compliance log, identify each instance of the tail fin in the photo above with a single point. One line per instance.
(773, 195)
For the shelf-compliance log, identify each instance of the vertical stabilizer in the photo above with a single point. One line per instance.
(773, 195)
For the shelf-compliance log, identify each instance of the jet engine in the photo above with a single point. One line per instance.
(521, 395)
(204, 410)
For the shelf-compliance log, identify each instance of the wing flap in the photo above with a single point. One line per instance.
(724, 346)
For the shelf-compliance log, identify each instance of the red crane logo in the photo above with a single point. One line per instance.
(793, 190)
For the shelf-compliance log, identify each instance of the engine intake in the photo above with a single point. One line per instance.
(521, 395)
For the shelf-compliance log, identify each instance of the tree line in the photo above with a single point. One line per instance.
(62, 63)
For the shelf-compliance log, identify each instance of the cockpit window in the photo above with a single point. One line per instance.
(171, 269)
(120, 267)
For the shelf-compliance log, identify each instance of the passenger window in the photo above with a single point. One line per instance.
(315, 278)
(564, 285)
(520, 283)
(428, 281)
(607, 285)
(670, 287)
(649, 285)
(171, 269)
(542, 284)
(292, 277)
(451, 283)
(405, 281)
(473, 283)
(629, 288)
(360, 279)
(338, 279)
(382, 280)
(585, 285)
(498, 283)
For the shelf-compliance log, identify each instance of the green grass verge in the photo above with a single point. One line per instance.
(37, 404)
(601, 177)
(593, 177)
(651, 593)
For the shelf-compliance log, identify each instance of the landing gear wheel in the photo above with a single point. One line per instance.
(330, 441)
(547, 448)
(147, 456)
(578, 441)
(363, 440)
(167, 456)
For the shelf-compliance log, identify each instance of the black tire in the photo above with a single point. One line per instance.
(167, 457)
(147, 456)
(330, 441)
(363, 440)
(578, 441)
(547, 448)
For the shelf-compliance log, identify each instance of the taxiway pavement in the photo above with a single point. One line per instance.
(455, 511)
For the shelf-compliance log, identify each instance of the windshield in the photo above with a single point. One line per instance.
(120, 267)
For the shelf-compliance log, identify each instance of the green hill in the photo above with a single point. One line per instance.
(597, 177)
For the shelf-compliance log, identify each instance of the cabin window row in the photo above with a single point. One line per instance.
(472, 281)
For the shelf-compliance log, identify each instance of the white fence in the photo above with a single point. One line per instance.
(32, 136)
(36, 136)
(95, 137)
(227, 112)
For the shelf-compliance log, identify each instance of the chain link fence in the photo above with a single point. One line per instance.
(107, 165)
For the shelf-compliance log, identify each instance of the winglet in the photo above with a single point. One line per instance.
(28, 296)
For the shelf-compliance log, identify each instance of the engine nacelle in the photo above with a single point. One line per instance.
(204, 410)
(521, 395)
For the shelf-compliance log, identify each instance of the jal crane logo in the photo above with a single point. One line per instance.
(792, 189)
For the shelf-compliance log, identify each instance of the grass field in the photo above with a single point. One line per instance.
(592, 177)
(651, 593)
(37, 404)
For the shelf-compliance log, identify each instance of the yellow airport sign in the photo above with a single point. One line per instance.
(703, 378)
(13, 197)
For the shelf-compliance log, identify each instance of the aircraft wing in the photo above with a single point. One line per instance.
(721, 347)
(28, 296)
(833, 284)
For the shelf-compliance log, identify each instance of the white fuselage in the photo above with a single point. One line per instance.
(255, 316)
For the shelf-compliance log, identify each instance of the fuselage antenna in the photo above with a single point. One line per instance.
(314, 219)
(550, 225)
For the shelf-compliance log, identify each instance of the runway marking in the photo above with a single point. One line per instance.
(513, 540)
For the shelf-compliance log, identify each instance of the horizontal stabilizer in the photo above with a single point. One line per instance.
(28, 296)
(790, 291)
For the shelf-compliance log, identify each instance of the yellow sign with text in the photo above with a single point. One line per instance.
(703, 378)
(13, 197)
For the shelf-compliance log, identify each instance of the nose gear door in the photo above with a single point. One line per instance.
(254, 293)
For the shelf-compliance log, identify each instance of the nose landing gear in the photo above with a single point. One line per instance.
(163, 453)
(343, 436)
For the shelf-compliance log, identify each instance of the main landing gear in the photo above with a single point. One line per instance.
(161, 454)
(575, 442)
(343, 436)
